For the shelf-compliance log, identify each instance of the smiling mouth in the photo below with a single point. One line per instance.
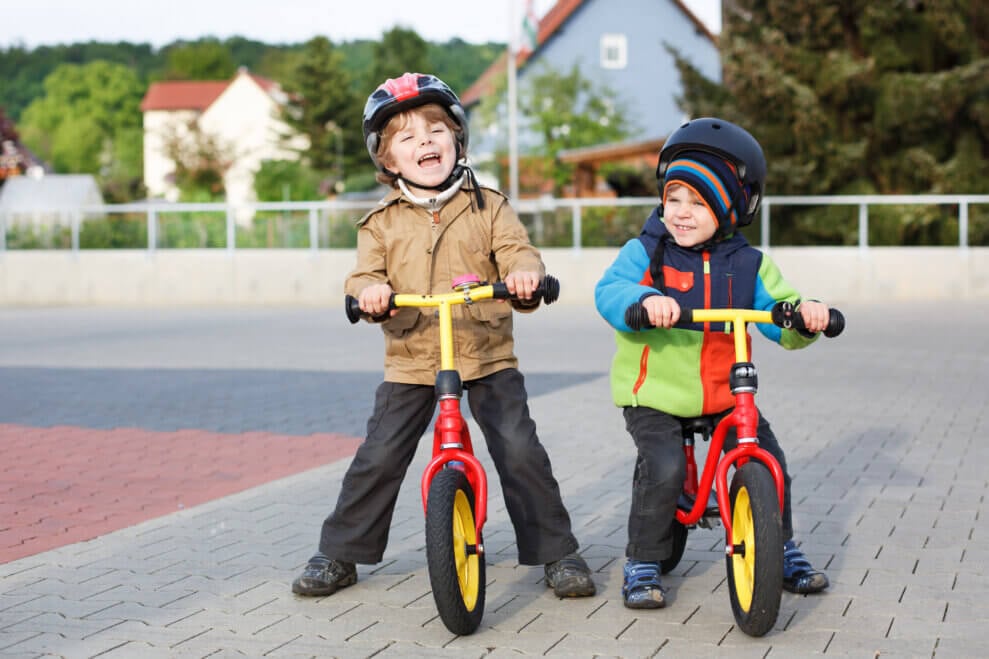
(683, 227)
(429, 160)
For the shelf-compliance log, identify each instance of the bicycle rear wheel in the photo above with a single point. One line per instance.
(679, 544)
(755, 569)
(456, 570)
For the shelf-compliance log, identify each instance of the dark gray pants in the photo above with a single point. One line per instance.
(357, 530)
(660, 469)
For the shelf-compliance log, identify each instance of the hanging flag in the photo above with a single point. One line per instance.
(530, 30)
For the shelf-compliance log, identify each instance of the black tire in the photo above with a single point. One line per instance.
(679, 544)
(755, 571)
(456, 570)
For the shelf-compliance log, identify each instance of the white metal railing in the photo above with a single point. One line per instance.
(536, 207)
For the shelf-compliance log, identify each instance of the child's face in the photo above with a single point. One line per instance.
(421, 150)
(687, 217)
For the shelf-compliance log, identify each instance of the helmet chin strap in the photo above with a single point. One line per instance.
(458, 171)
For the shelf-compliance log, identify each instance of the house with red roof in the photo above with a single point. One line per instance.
(617, 44)
(242, 116)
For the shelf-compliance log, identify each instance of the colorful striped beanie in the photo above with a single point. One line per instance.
(711, 178)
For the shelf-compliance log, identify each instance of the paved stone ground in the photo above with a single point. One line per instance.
(884, 431)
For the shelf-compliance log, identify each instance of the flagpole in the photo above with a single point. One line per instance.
(513, 136)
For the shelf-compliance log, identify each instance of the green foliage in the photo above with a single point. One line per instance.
(459, 63)
(857, 98)
(207, 59)
(88, 121)
(324, 108)
(86, 117)
(570, 111)
(286, 180)
(400, 50)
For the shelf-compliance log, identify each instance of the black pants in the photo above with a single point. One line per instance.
(660, 469)
(357, 530)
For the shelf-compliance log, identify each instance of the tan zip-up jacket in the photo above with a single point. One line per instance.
(419, 251)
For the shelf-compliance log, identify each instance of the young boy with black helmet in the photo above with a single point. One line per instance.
(711, 176)
(436, 224)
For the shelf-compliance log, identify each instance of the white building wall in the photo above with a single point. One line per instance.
(245, 120)
(159, 126)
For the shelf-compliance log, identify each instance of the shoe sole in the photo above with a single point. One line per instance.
(571, 589)
(647, 604)
(812, 585)
(298, 589)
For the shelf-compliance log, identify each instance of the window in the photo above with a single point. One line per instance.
(614, 51)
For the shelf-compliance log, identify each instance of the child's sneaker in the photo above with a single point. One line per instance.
(324, 576)
(799, 576)
(570, 577)
(642, 589)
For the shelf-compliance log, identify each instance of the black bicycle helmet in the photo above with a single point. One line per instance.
(731, 143)
(410, 90)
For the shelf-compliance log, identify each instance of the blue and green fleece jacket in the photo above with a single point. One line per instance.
(684, 371)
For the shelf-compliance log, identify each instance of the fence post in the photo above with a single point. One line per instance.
(313, 231)
(863, 227)
(231, 231)
(577, 230)
(75, 221)
(3, 232)
(764, 225)
(963, 224)
(152, 229)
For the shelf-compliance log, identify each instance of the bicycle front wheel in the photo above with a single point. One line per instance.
(755, 569)
(456, 569)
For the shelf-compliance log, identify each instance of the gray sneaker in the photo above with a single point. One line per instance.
(570, 577)
(324, 576)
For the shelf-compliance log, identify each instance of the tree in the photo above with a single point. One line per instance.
(857, 97)
(323, 107)
(400, 50)
(201, 161)
(88, 119)
(203, 60)
(570, 111)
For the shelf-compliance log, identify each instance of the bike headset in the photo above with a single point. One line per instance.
(733, 156)
(410, 90)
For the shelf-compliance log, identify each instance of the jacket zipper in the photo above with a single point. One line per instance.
(643, 371)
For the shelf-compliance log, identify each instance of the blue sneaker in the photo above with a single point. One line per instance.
(642, 589)
(799, 576)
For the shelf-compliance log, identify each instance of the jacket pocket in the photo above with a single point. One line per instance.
(490, 329)
(676, 280)
(401, 323)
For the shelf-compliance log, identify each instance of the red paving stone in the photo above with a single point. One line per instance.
(65, 484)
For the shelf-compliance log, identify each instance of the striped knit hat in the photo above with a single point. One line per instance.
(711, 178)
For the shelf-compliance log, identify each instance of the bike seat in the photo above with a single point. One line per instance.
(701, 425)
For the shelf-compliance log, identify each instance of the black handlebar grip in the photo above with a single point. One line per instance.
(785, 315)
(637, 317)
(353, 309)
(548, 290)
(836, 324)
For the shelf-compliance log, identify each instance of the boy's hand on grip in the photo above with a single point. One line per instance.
(663, 311)
(374, 300)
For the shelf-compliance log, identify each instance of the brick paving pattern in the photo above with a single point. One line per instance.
(883, 427)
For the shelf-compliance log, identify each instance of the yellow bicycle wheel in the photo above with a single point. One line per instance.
(456, 569)
(755, 567)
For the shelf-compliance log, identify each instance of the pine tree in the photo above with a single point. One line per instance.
(857, 97)
(324, 108)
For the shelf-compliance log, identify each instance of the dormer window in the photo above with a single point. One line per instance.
(614, 51)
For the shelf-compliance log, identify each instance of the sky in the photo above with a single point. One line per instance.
(32, 23)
